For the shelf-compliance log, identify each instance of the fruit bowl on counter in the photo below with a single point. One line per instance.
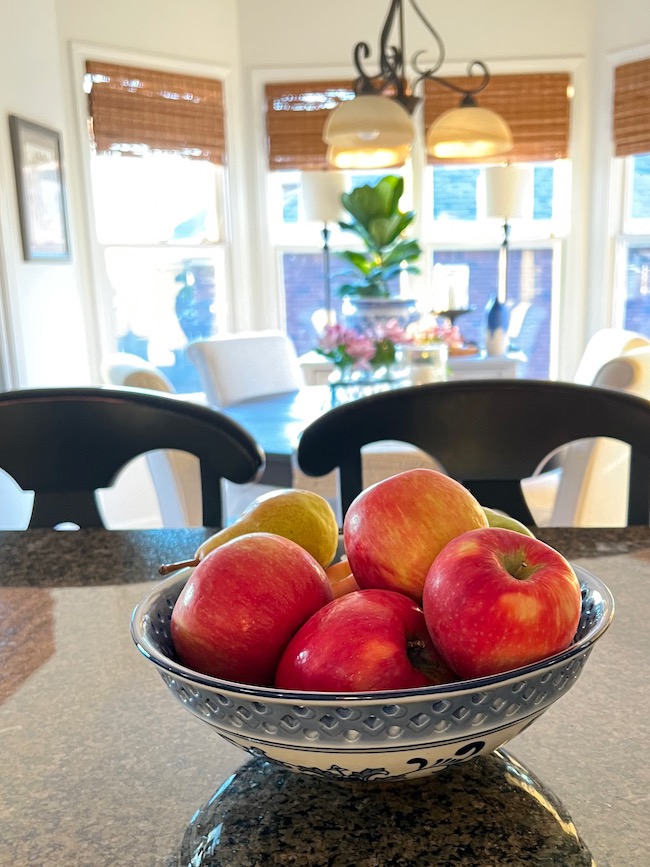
(383, 735)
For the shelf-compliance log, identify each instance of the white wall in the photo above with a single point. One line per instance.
(292, 32)
(51, 307)
(42, 302)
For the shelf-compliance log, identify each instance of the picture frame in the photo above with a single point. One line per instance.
(38, 166)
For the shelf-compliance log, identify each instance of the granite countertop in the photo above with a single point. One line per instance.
(51, 558)
(101, 767)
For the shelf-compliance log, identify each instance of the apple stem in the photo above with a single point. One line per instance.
(166, 568)
(520, 573)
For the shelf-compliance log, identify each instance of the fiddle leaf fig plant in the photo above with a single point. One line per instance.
(376, 219)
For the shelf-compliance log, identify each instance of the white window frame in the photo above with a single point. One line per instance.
(624, 231)
(100, 317)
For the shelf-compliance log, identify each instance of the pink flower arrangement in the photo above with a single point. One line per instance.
(350, 349)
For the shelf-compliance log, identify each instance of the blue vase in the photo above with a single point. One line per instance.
(497, 319)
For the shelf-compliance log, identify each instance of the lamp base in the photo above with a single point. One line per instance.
(497, 320)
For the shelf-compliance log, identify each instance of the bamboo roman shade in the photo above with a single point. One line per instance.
(536, 106)
(296, 112)
(130, 107)
(632, 108)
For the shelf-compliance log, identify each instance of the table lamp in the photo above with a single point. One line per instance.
(509, 194)
(321, 202)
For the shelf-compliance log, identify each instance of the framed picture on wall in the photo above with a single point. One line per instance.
(41, 194)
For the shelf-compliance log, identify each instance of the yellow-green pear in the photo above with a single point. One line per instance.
(302, 516)
(500, 519)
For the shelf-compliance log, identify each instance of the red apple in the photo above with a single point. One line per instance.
(495, 599)
(361, 642)
(243, 603)
(394, 529)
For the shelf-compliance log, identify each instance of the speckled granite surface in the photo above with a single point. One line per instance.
(51, 558)
(101, 768)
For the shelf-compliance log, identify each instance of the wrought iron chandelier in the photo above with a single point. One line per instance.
(376, 130)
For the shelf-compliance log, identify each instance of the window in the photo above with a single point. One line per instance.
(157, 172)
(632, 145)
(459, 236)
(633, 287)
(453, 229)
(295, 114)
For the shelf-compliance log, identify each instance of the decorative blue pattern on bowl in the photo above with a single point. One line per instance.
(381, 735)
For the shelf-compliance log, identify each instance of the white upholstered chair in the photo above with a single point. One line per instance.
(589, 487)
(604, 345)
(237, 367)
(175, 475)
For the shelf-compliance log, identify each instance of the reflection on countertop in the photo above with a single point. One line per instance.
(490, 811)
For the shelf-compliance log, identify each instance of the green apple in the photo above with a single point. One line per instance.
(500, 519)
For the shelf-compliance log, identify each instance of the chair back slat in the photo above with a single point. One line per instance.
(488, 434)
(66, 443)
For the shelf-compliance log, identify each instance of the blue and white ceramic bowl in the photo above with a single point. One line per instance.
(387, 735)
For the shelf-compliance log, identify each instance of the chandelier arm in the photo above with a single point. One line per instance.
(391, 58)
(431, 70)
(363, 83)
(468, 92)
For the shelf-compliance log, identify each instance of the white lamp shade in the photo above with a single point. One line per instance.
(352, 156)
(468, 132)
(509, 191)
(373, 121)
(321, 196)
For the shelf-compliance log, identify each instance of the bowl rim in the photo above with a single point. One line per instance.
(302, 697)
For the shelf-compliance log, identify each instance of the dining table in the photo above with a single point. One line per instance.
(100, 766)
(276, 422)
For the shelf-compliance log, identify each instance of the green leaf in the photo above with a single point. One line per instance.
(361, 261)
(405, 251)
(366, 202)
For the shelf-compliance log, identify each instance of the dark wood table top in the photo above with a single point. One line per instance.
(276, 421)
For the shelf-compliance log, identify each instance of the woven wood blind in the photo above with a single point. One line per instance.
(632, 108)
(296, 112)
(536, 106)
(162, 110)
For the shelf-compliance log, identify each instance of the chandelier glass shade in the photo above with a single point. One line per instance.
(368, 132)
(468, 132)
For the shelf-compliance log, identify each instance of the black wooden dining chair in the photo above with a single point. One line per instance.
(65, 443)
(487, 434)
